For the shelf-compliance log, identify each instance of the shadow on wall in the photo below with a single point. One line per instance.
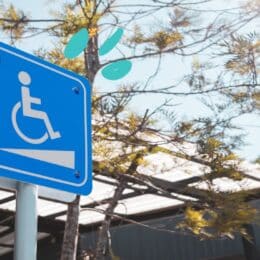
(132, 242)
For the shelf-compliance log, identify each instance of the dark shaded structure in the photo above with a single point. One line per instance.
(135, 242)
(130, 241)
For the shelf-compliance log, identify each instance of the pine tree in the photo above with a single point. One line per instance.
(122, 139)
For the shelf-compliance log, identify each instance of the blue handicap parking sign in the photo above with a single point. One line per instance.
(45, 123)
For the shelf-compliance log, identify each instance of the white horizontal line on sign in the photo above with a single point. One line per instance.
(61, 158)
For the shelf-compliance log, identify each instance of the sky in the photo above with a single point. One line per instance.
(187, 108)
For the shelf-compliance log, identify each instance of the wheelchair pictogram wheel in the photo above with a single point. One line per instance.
(40, 140)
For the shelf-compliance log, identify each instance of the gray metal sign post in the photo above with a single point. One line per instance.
(26, 222)
(69, 148)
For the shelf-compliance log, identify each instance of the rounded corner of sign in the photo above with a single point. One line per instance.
(87, 188)
(84, 83)
(86, 192)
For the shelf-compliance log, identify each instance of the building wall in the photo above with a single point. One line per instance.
(132, 242)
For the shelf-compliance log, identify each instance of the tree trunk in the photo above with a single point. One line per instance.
(103, 238)
(92, 64)
(250, 248)
(70, 239)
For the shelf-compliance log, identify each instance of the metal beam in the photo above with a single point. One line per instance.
(8, 199)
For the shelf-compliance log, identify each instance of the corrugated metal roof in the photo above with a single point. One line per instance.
(160, 166)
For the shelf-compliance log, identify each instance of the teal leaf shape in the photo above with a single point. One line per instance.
(76, 44)
(117, 70)
(111, 42)
(79, 41)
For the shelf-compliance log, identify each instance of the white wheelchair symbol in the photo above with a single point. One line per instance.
(26, 105)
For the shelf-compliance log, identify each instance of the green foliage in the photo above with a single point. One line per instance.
(161, 39)
(228, 215)
(56, 56)
(256, 98)
(123, 139)
(76, 18)
(243, 51)
(13, 21)
(257, 160)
